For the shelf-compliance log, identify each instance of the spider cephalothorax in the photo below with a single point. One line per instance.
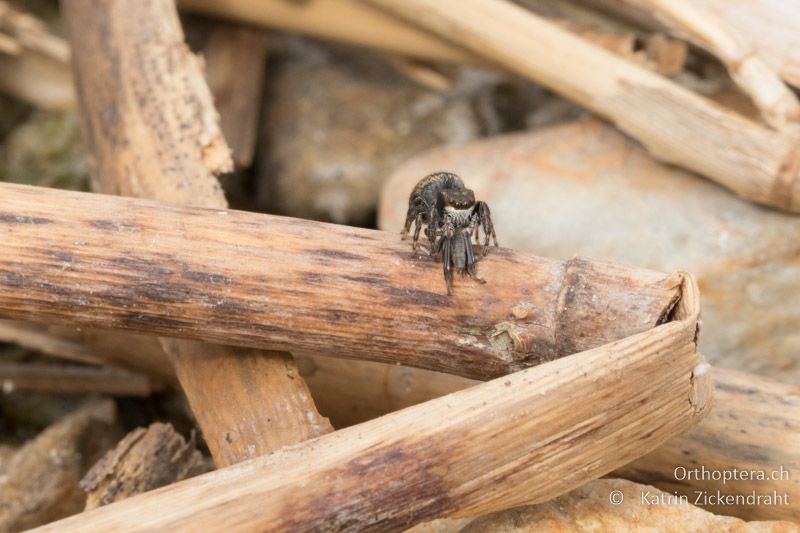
(451, 217)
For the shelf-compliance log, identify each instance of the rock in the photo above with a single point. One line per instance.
(442, 525)
(12, 113)
(584, 188)
(40, 481)
(336, 122)
(145, 459)
(6, 454)
(634, 507)
(46, 151)
(31, 411)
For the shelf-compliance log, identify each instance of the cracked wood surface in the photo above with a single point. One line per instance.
(152, 131)
(274, 282)
(513, 440)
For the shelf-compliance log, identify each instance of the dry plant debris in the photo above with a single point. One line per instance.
(214, 338)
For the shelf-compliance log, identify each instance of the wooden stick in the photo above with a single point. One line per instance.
(675, 124)
(340, 20)
(254, 401)
(351, 392)
(36, 337)
(141, 354)
(770, 26)
(348, 391)
(777, 103)
(515, 439)
(662, 55)
(72, 380)
(353, 22)
(281, 283)
(32, 61)
(164, 142)
(754, 427)
(34, 67)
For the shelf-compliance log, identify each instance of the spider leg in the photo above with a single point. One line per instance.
(472, 228)
(446, 243)
(475, 229)
(433, 224)
(471, 258)
(485, 219)
(438, 244)
(435, 229)
(409, 219)
(417, 228)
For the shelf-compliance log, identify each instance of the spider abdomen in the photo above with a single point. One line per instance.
(426, 193)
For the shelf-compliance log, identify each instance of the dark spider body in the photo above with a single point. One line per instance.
(451, 217)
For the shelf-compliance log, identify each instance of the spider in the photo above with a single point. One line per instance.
(452, 217)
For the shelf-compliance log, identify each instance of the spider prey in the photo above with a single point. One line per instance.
(442, 203)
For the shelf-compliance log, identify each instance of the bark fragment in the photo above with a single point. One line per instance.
(145, 459)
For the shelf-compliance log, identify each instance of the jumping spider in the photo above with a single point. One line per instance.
(442, 203)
